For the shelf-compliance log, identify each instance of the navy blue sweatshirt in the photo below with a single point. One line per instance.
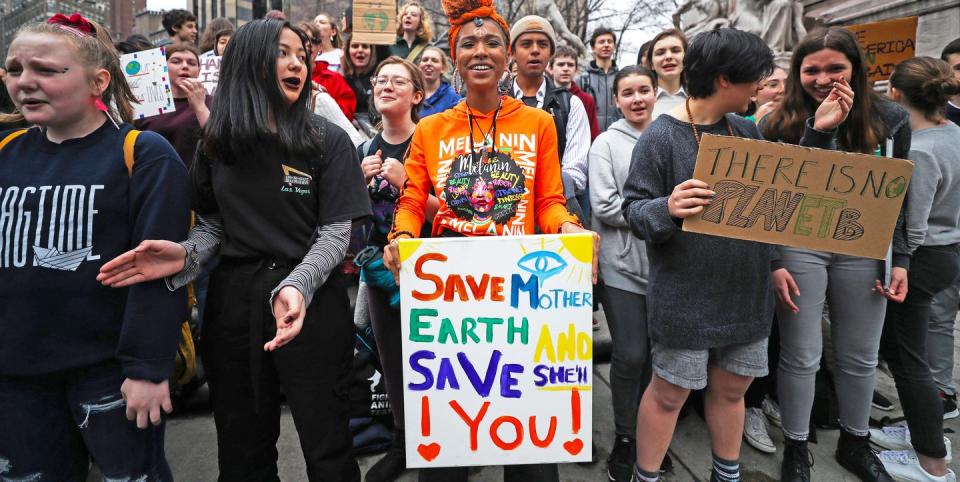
(65, 210)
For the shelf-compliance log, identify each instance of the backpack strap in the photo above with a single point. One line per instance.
(11, 136)
(414, 52)
(366, 146)
(128, 142)
(557, 103)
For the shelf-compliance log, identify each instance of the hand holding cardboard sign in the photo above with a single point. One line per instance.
(689, 198)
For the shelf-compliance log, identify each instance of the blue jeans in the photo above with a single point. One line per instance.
(51, 425)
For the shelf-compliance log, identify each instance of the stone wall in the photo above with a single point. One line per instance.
(939, 19)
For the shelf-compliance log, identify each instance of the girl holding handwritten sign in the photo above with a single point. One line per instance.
(488, 140)
(828, 77)
(922, 85)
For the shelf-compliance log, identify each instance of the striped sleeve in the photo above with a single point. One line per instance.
(201, 245)
(325, 254)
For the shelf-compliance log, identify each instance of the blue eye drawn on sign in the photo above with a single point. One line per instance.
(544, 264)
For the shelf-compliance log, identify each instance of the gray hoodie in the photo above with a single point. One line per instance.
(623, 256)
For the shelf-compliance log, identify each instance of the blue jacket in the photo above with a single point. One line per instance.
(444, 98)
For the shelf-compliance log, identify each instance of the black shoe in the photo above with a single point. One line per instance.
(949, 406)
(881, 402)
(855, 455)
(621, 460)
(388, 468)
(797, 461)
(667, 464)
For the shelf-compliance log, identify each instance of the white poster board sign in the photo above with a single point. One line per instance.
(210, 72)
(498, 350)
(146, 72)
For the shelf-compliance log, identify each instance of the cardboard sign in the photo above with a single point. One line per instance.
(886, 44)
(210, 72)
(497, 349)
(799, 196)
(375, 22)
(146, 72)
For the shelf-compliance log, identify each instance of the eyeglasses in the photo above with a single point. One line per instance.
(383, 80)
(315, 41)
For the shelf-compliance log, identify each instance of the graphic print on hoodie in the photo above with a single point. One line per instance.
(510, 193)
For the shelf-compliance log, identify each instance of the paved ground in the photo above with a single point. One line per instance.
(192, 449)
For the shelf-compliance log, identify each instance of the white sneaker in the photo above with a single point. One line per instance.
(897, 437)
(755, 431)
(772, 411)
(903, 466)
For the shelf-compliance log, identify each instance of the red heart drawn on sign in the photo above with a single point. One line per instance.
(430, 451)
(574, 446)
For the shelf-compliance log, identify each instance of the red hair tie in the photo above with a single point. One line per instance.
(74, 23)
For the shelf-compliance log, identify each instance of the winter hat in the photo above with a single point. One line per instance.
(534, 23)
(460, 12)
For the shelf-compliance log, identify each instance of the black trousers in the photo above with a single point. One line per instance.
(245, 382)
(386, 331)
(904, 345)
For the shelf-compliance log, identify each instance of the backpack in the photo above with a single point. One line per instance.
(186, 360)
(371, 413)
(556, 101)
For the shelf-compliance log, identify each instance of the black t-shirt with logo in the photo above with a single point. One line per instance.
(383, 196)
(272, 206)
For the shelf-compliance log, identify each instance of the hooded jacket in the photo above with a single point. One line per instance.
(623, 256)
(444, 98)
(512, 194)
(599, 84)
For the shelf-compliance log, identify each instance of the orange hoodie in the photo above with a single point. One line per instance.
(512, 194)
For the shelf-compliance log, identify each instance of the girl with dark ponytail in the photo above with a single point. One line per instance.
(922, 85)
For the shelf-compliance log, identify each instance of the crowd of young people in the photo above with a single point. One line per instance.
(276, 190)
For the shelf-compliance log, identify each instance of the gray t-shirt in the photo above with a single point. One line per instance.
(933, 199)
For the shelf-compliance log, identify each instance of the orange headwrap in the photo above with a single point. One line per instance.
(463, 11)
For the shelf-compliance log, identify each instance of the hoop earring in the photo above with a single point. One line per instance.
(457, 82)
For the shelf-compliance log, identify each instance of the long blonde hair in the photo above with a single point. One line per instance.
(425, 30)
(94, 51)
